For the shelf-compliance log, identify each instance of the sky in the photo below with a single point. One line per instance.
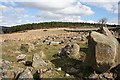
(16, 12)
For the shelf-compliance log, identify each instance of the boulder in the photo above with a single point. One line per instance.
(7, 74)
(26, 74)
(103, 50)
(21, 58)
(24, 47)
(71, 50)
(4, 64)
(17, 72)
(27, 47)
(37, 61)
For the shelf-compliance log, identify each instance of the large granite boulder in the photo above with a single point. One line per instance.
(102, 50)
(70, 50)
(37, 61)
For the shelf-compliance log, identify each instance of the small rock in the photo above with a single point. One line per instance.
(59, 69)
(24, 47)
(26, 74)
(67, 75)
(4, 64)
(21, 58)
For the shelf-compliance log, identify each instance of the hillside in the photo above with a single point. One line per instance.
(47, 25)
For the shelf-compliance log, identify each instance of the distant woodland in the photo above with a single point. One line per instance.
(46, 25)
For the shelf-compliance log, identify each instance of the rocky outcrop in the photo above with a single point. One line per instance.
(70, 50)
(37, 61)
(103, 50)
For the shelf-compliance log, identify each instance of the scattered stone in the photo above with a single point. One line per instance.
(21, 58)
(105, 76)
(7, 74)
(70, 50)
(67, 75)
(59, 69)
(17, 71)
(93, 76)
(103, 50)
(37, 61)
(27, 47)
(24, 47)
(4, 64)
(26, 74)
(54, 43)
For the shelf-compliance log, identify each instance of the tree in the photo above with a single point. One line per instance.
(103, 22)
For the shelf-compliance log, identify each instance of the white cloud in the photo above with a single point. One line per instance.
(78, 10)
(10, 16)
(70, 10)
(52, 10)
(49, 4)
(109, 5)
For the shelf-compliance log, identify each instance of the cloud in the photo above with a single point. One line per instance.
(109, 5)
(60, 9)
(10, 16)
(51, 10)
(48, 10)
(48, 4)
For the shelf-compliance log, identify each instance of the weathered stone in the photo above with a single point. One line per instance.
(54, 43)
(24, 47)
(103, 50)
(59, 69)
(7, 74)
(104, 76)
(93, 76)
(70, 50)
(26, 74)
(37, 61)
(5, 64)
(17, 71)
(67, 75)
(27, 47)
(42, 55)
(21, 58)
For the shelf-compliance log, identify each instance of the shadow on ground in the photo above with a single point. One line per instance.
(73, 67)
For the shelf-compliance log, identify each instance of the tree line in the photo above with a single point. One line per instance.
(46, 25)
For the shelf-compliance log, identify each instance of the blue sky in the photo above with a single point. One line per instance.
(15, 12)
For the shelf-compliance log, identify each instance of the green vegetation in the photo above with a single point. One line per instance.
(11, 49)
(50, 25)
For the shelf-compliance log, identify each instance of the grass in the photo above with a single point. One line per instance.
(11, 49)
